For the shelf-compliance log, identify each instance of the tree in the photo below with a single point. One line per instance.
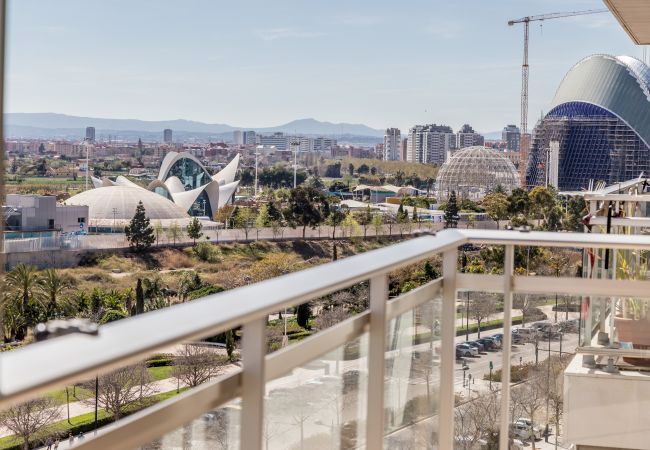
(529, 397)
(139, 232)
(139, 297)
(120, 388)
(496, 206)
(52, 286)
(335, 218)
(333, 170)
(481, 307)
(542, 201)
(158, 230)
(576, 210)
(307, 207)
(363, 169)
(350, 226)
(303, 314)
(174, 232)
(365, 220)
(230, 344)
(377, 223)
(25, 282)
(451, 211)
(194, 229)
(195, 364)
(223, 214)
(518, 202)
(262, 219)
(351, 169)
(30, 419)
(244, 218)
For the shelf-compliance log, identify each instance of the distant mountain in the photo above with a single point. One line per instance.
(52, 125)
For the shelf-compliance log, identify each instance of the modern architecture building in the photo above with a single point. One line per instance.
(467, 137)
(475, 171)
(392, 144)
(90, 134)
(42, 213)
(429, 144)
(511, 135)
(600, 118)
(167, 136)
(238, 137)
(183, 188)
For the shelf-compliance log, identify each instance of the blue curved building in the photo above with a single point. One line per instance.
(600, 119)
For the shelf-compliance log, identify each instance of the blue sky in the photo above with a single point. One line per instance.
(263, 63)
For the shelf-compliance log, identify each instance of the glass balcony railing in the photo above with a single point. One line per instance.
(387, 377)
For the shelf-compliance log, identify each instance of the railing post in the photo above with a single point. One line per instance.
(447, 350)
(376, 362)
(504, 418)
(253, 384)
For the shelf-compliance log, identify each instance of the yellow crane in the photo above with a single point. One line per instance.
(524, 141)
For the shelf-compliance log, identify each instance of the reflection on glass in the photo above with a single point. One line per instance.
(321, 405)
(412, 378)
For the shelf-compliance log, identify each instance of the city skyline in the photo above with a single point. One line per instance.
(205, 64)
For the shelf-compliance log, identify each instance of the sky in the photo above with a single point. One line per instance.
(383, 63)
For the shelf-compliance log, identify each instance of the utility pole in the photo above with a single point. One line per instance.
(296, 145)
(257, 153)
(96, 398)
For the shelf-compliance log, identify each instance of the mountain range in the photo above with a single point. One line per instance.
(53, 125)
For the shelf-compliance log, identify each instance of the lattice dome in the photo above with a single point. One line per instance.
(475, 171)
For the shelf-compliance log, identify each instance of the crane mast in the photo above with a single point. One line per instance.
(524, 137)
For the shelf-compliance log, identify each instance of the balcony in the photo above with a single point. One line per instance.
(372, 381)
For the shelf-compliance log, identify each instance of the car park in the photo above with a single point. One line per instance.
(466, 350)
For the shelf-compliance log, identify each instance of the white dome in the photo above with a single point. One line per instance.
(474, 171)
(119, 203)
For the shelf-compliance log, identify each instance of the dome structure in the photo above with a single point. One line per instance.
(472, 172)
(598, 127)
(115, 205)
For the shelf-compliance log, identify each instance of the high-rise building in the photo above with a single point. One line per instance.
(511, 136)
(404, 149)
(467, 137)
(600, 118)
(278, 140)
(238, 137)
(392, 144)
(429, 144)
(250, 138)
(167, 136)
(90, 134)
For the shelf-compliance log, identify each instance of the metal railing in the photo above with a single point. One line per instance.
(30, 371)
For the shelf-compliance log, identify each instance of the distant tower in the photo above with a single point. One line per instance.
(392, 144)
(250, 138)
(238, 137)
(167, 136)
(90, 134)
(511, 136)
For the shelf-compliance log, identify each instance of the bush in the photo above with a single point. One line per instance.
(160, 360)
(207, 252)
(518, 373)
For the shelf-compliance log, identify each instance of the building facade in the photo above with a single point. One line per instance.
(467, 137)
(167, 136)
(392, 144)
(600, 119)
(238, 137)
(250, 138)
(511, 135)
(429, 144)
(90, 134)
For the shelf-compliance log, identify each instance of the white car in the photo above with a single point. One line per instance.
(467, 350)
(524, 430)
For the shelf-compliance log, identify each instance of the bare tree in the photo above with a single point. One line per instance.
(121, 388)
(30, 419)
(530, 398)
(196, 364)
(330, 317)
(481, 307)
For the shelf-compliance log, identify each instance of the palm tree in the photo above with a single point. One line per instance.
(52, 286)
(25, 280)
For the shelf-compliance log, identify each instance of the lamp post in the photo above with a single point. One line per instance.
(257, 153)
(465, 369)
(491, 367)
(296, 145)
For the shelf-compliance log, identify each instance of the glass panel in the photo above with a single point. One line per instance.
(321, 405)
(214, 430)
(412, 378)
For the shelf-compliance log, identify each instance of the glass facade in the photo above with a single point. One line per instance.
(191, 174)
(594, 144)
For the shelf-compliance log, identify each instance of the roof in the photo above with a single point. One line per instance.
(634, 17)
(119, 202)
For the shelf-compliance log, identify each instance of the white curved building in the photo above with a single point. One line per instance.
(183, 188)
(599, 122)
(475, 171)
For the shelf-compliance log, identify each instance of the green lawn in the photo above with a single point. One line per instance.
(160, 373)
(76, 394)
(84, 422)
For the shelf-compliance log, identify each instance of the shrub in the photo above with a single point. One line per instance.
(207, 252)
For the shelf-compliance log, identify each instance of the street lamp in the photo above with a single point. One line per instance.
(257, 153)
(465, 369)
(296, 145)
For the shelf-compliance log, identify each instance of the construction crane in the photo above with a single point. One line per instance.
(523, 139)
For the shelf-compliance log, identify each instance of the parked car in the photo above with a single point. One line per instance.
(467, 350)
(527, 334)
(498, 337)
(524, 429)
(498, 341)
(476, 344)
(488, 344)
